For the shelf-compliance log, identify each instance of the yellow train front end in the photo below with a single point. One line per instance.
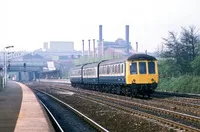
(142, 76)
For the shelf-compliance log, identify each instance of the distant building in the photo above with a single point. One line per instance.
(114, 47)
(114, 52)
(59, 46)
(45, 46)
(32, 57)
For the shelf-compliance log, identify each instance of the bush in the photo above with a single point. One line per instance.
(183, 84)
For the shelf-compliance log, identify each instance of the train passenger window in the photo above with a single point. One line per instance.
(133, 68)
(99, 70)
(79, 72)
(113, 68)
(122, 68)
(104, 70)
(118, 68)
(142, 67)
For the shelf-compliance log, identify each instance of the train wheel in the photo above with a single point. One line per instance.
(128, 91)
(149, 95)
(134, 92)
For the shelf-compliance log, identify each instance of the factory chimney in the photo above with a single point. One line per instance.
(145, 51)
(127, 38)
(82, 47)
(94, 48)
(102, 45)
(100, 33)
(100, 40)
(136, 46)
(89, 47)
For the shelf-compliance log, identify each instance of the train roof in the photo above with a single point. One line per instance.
(141, 57)
(76, 67)
(91, 65)
(121, 60)
(79, 66)
(129, 58)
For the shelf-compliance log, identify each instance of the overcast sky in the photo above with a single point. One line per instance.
(26, 24)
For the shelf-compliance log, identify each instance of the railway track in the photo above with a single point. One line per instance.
(143, 110)
(173, 94)
(64, 117)
(191, 123)
(179, 105)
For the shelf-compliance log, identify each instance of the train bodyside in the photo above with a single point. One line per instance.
(90, 73)
(76, 76)
(112, 72)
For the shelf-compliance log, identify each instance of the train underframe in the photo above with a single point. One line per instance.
(133, 90)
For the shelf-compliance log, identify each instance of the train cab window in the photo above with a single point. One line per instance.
(133, 68)
(142, 67)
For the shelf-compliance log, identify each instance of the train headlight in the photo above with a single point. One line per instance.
(134, 81)
(152, 80)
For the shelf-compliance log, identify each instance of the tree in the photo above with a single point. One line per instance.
(190, 39)
(196, 65)
(174, 48)
(183, 48)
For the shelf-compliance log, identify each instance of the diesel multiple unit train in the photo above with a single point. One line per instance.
(132, 76)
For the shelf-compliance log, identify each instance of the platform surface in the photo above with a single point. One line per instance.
(20, 110)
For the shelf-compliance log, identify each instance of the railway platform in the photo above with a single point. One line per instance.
(20, 110)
